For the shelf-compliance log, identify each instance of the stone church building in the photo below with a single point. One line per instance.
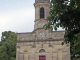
(41, 44)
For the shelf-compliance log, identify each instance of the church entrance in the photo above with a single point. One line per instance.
(42, 57)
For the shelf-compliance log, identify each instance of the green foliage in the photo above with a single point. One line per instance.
(12, 58)
(66, 14)
(2, 52)
(5, 35)
(75, 59)
(75, 46)
(0, 43)
(8, 46)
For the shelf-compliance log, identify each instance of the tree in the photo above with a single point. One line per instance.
(75, 48)
(65, 14)
(0, 43)
(2, 53)
(5, 35)
(8, 47)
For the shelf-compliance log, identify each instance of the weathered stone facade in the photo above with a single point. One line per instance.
(29, 45)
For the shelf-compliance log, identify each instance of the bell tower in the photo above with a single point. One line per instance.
(42, 8)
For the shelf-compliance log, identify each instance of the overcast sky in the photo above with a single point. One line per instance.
(17, 15)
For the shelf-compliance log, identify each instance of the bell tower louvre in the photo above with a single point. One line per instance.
(41, 44)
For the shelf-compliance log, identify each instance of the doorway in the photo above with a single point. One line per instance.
(42, 57)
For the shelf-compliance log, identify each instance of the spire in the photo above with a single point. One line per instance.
(41, 0)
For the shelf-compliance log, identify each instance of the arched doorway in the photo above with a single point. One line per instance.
(42, 51)
(42, 57)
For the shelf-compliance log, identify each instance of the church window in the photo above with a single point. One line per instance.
(42, 50)
(41, 12)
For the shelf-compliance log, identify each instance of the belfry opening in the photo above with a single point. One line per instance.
(42, 12)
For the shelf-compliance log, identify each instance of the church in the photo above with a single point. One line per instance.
(41, 44)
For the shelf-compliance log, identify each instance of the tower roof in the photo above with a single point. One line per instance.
(41, 0)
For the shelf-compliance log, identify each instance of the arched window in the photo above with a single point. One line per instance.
(42, 50)
(41, 12)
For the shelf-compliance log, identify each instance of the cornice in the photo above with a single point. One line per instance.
(37, 29)
(20, 41)
(40, 19)
(25, 33)
(42, 2)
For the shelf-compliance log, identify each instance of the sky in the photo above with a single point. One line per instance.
(17, 16)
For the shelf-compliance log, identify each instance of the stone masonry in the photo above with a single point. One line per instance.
(41, 42)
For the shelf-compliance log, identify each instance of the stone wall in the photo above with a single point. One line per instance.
(41, 34)
(53, 50)
(40, 22)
